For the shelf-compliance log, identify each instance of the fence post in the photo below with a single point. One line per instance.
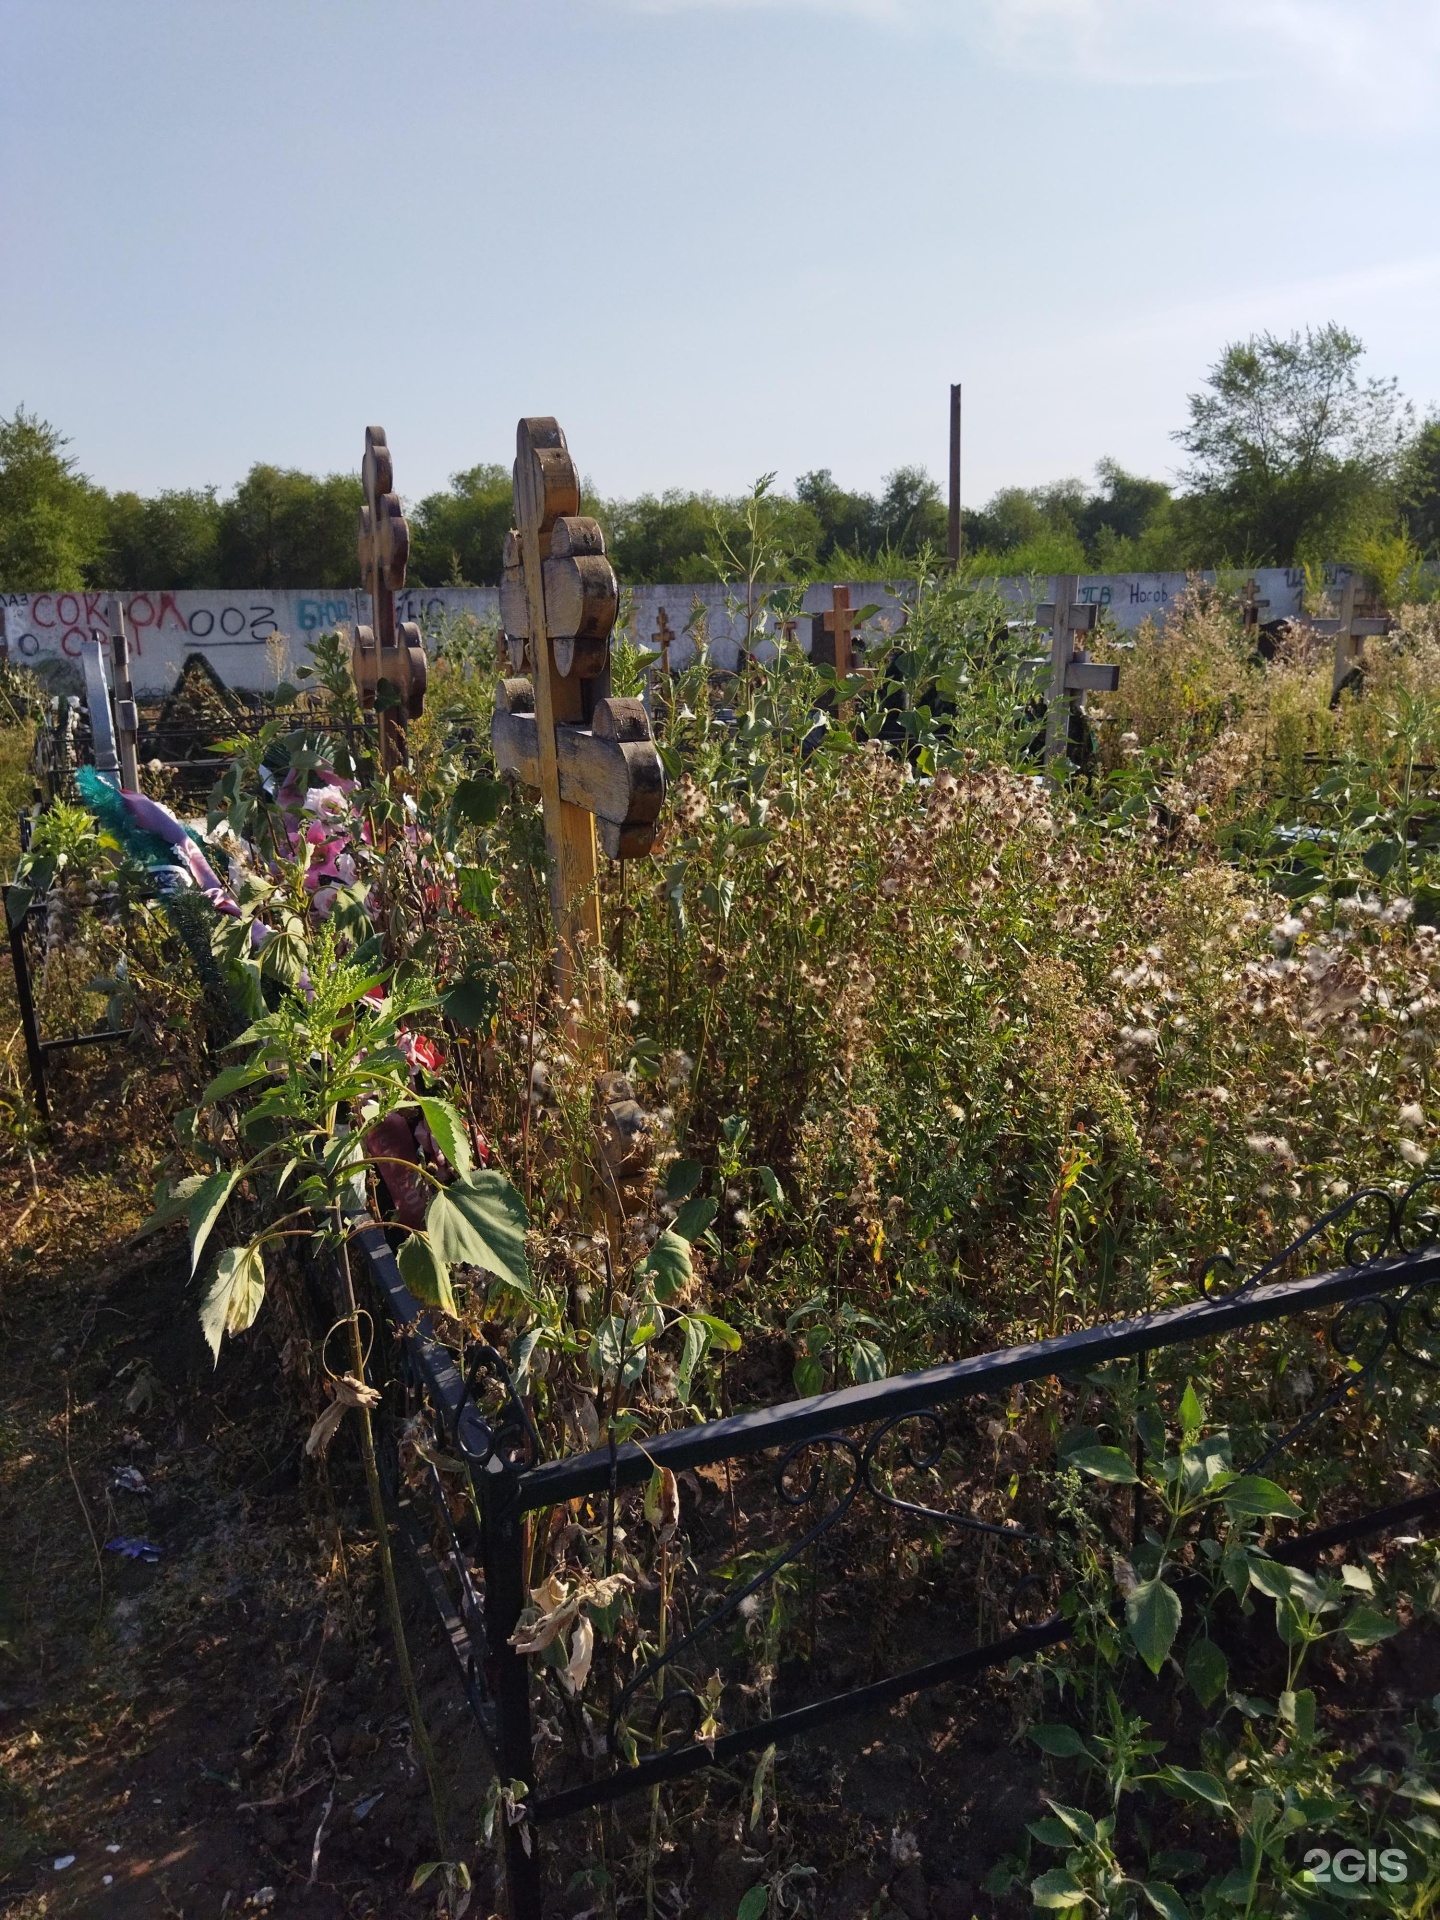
(34, 1052)
(504, 1546)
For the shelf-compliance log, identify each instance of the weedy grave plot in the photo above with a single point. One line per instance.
(893, 1311)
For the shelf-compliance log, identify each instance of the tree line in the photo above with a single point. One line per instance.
(1294, 457)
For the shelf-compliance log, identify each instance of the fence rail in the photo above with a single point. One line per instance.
(1387, 1281)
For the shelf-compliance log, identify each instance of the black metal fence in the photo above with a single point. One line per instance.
(22, 916)
(885, 1445)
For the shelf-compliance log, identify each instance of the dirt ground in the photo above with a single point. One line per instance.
(211, 1724)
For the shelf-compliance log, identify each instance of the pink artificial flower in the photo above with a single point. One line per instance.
(419, 1052)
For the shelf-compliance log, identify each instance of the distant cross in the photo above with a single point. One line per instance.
(1252, 605)
(1069, 673)
(664, 633)
(1351, 631)
(838, 626)
(590, 754)
(385, 654)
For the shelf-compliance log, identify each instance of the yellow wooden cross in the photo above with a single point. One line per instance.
(837, 627)
(590, 754)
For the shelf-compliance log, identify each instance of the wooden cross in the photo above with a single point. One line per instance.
(662, 637)
(590, 754)
(1351, 631)
(1069, 673)
(1251, 605)
(386, 654)
(658, 676)
(831, 640)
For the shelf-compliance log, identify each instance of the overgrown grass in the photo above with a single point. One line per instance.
(923, 1053)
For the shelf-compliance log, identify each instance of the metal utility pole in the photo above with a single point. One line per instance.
(955, 544)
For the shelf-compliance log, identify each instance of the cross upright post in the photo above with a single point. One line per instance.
(591, 755)
(388, 658)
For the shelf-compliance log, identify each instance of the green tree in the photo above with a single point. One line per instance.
(51, 517)
(457, 537)
(1293, 456)
(857, 529)
(664, 537)
(168, 541)
(910, 514)
(283, 528)
(1420, 488)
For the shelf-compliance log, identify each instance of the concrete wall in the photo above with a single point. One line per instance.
(255, 639)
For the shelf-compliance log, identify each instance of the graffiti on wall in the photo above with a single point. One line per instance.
(253, 638)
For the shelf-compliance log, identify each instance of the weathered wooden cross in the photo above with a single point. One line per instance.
(1069, 673)
(664, 633)
(1251, 605)
(590, 754)
(659, 674)
(1351, 631)
(386, 656)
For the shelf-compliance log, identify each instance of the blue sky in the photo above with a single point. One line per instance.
(714, 237)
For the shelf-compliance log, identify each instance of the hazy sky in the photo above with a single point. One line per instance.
(714, 237)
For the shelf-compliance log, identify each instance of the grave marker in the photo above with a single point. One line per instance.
(1069, 673)
(658, 677)
(832, 635)
(1251, 606)
(103, 756)
(664, 633)
(590, 754)
(127, 716)
(386, 656)
(1351, 631)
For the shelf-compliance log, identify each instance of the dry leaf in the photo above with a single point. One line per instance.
(349, 1392)
(582, 1651)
